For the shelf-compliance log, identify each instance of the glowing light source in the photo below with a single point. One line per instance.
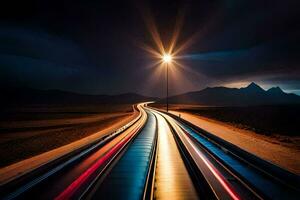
(167, 58)
(167, 55)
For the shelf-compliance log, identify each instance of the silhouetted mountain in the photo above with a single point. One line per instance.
(275, 90)
(253, 94)
(253, 88)
(22, 96)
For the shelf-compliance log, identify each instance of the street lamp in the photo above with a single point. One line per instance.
(167, 59)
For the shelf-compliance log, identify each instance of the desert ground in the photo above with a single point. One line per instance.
(31, 130)
(259, 130)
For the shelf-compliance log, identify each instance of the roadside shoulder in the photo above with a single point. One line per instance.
(18, 169)
(250, 141)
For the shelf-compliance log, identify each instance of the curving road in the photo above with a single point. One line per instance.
(156, 156)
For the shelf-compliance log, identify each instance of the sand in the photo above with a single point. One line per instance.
(15, 170)
(262, 146)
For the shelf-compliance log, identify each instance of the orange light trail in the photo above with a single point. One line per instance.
(214, 171)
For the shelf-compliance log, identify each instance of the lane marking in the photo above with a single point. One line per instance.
(213, 170)
(41, 178)
(75, 185)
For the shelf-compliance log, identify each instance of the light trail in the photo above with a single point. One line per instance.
(216, 173)
(172, 179)
(75, 185)
(213, 170)
(67, 193)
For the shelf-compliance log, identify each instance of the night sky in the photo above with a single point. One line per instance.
(96, 46)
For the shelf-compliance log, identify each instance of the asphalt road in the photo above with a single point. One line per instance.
(157, 156)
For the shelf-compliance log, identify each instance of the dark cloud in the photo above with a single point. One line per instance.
(265, 59)
(40, 45)
(93, 46)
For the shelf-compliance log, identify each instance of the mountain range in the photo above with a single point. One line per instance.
(20, 96)
(253, 94)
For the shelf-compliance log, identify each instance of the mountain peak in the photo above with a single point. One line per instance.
(276, 90)
(254, 87)
(253, 94)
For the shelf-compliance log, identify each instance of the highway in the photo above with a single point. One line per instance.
(172, 178)
(130, 172)
(156, 156)
(49, 182)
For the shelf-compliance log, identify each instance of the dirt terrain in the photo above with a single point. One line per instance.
(29, 131)
(280, 149)
(270, 120)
